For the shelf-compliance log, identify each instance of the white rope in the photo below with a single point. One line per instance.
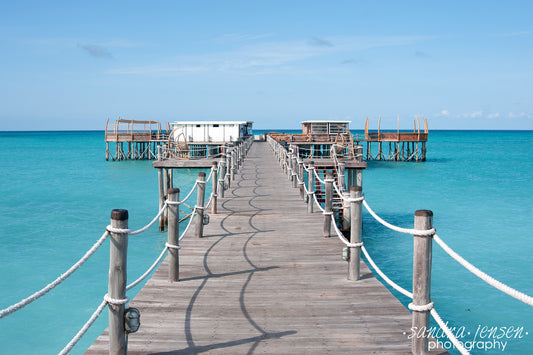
(209, 201)
(190, 192)
(448, 332)
(421, 308)
(84, 329)
(341, 236)
(210, 175)
(188, 225)
(316, 202)
(11, 309)
(150, 269)
(115, 301)
(112, 229)
(426, 232)
(145, 228)
(384, 277)
(170, 246)
(318, 177)
(483, 276)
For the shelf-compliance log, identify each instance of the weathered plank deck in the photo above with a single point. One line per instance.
(264, 281)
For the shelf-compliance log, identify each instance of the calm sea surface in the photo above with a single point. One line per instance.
(57, 192)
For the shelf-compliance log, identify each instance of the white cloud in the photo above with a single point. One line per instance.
(445, 113)
(493, 115)
(475, 114)
(258, 56)
(519, 115)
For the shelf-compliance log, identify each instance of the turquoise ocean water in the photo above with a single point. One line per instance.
(57, 192)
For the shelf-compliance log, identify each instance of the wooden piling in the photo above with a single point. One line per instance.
(233, 164)
(161, 192)
(118, 248)
(165, 191)
(214, 188)
(173, 235)
(221, 179)
(228, 167)
(328, 203)
(356, 232)
(341, 178)
(200, 197)
(422, 255)
(310, 186)
(301, 179)
(294, 170)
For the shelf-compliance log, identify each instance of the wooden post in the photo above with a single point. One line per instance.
(356, 229)
(328, 205)
(161, 192)
(310, 186)
(422, 255)
(233, 164)
(294, 170)
(173, 235)
(214, 188)
(221, 179)
(284, 160)
(301, 178)
(341, 177)
(346, 214)
(228, 166)
(359, 177)
(118, 248)
(200, 196)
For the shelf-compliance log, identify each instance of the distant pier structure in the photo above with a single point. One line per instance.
(402, 146)
(205, 139)
(134, 140)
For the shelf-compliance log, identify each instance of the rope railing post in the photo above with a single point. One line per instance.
(356, 232)
(221, 189)
(288, 163)
(233, 164)
(228, 166)
(200, 198)
(341, 177)
(294, 170)
(173, 235)
(118, 247)
(310, 186)
(166, 182)
(301, 178)
(422, 254)
(214, 188)
(161, 190)
(346, 208)
(328, 203)
(284, 160)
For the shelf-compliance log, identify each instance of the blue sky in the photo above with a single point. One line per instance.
(461, 64)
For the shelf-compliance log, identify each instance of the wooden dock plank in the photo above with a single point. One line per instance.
(263, 280)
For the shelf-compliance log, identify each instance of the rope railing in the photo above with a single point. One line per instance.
(128, 232)
(17, 306)
(33, 297)
(430, 232)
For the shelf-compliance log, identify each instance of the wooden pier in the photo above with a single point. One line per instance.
(402, 146)
(264, 280)
(134, 140)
